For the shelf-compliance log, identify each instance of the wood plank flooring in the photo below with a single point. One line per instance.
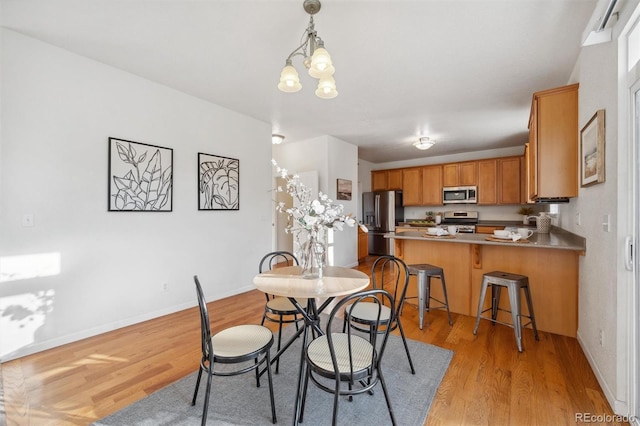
(488, 382)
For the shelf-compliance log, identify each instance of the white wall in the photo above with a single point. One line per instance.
(333, 159)
(597, 295)
(58, 111)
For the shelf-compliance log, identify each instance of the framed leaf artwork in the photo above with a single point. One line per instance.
(140, 177)
(218, 182)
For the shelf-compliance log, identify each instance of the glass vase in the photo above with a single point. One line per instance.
(313, 257)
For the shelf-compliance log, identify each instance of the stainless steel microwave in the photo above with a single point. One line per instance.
(459, 195)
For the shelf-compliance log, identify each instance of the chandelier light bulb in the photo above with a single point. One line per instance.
(321, 65)
(289, 80)
(326, 88)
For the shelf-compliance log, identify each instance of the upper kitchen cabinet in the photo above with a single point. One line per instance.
(385, 180)
(412, 186)
(460, 174)
(422, 186)
(553, 144)
(499, 181)
(432, 185)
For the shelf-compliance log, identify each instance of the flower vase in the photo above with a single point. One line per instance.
(313, 257)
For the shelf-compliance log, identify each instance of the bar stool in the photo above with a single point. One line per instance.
(514, 283)
(425, 272)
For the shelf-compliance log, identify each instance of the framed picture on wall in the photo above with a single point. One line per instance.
(140, 177)
(592, 150)
(218, 182)
(344, 189)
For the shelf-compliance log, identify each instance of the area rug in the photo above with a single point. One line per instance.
(237, 401)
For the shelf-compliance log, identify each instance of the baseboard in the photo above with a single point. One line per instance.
(619, 407)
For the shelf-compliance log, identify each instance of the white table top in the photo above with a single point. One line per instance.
(288, 282)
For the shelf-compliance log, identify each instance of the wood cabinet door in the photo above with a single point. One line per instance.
(394, 180)
(412, 187)
(487, 181)
(557, 143)
(509, 180)
(450, 174)
(432, 185)
(379, 180)
(468, 173)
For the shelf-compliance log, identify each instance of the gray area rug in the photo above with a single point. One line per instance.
(237, 401)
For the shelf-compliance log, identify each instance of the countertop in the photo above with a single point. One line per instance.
(556, 239)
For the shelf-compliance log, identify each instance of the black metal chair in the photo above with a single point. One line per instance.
(280, 309)
(233, 345)
(348, 357)
(392, 274)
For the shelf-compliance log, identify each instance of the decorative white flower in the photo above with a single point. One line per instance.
(312, 215)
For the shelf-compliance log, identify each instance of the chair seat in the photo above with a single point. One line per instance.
(241, 340)
(366, 312)
(284, 305)
(318, 353)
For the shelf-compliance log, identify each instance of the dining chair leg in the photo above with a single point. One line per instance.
(336, 399)
(386, 396)
(270, 378)
(195, 392)
(406, 346)
(279, 340)
(205, 408)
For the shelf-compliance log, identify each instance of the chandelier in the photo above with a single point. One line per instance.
(316, 59)
(424, 143)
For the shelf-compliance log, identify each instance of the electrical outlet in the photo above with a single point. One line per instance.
(27, 220)
(578, 219)
(601, 338)
(165, 287)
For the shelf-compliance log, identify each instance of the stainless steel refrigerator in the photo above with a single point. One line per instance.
(382, 211)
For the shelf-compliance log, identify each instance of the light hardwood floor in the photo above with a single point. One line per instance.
(488, 382)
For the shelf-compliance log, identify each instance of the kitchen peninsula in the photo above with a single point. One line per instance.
(549, 260)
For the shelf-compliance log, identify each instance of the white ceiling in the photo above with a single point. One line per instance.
(461, 72)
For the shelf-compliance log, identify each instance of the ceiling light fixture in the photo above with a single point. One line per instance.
(316, 59)
(424, 143)
(277, 139)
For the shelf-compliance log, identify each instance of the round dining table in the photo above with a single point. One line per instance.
(289, 282)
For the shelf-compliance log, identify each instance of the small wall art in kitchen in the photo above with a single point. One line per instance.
(218, 182)
(140, 177)
(344, 189)
(592, 150)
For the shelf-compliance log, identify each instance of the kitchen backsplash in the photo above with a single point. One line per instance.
(485, 212)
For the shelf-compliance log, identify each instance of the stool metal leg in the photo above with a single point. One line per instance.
(422, 289)
(446, 299)
(483, 293)
(514, 299)
(496, 291)
(531, 315)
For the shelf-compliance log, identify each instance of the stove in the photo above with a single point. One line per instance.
(465, 221)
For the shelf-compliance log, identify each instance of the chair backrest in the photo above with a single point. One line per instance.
(375, 296)
(205, 326)
(277, 259)
(392, 274)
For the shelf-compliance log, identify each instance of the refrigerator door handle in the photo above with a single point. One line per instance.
(377, 210)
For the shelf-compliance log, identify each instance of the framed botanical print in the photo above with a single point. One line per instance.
(140, 177)
(218, 182)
